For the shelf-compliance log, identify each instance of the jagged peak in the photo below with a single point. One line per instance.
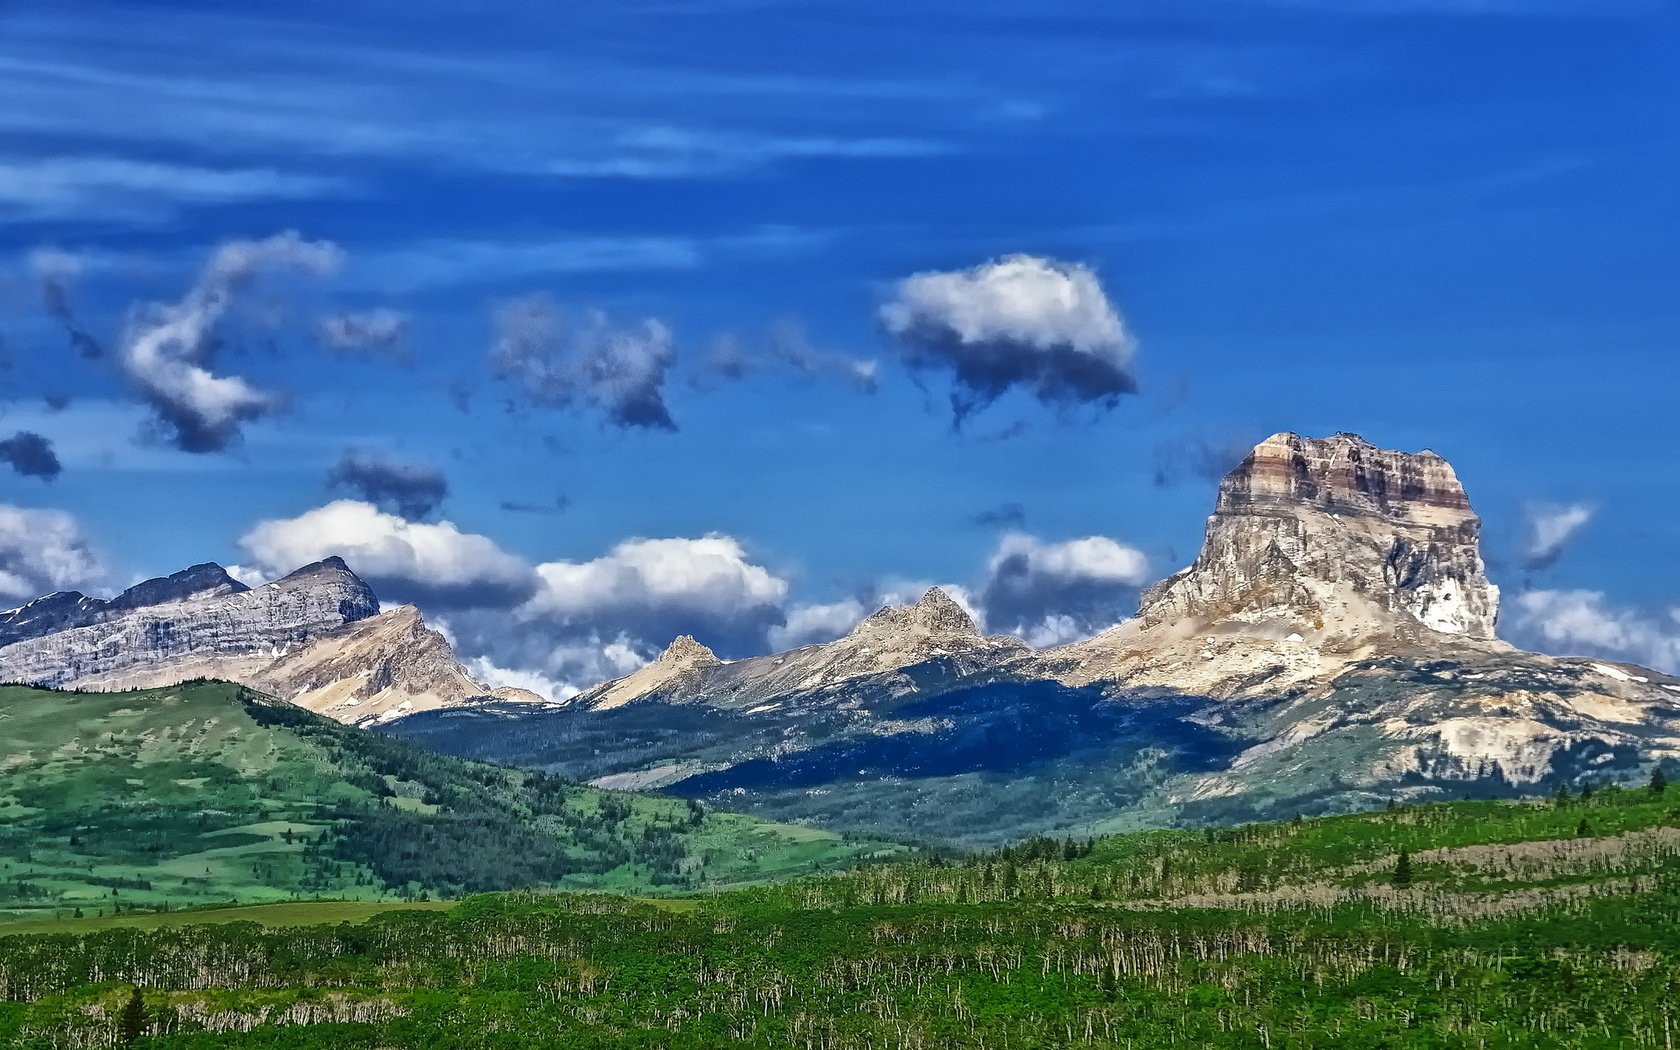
(684, 650)
(935, 612)
(331, 565)
(195, 581)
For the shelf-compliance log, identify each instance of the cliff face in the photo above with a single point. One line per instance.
(218, 621)
(63, 610)
(1334, 538)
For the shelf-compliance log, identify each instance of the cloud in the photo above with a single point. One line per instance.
(31, 455)
(597, 619)
(56, 269)
(43, 551)
(619, 371)
(118, 187)
(379, 331)
(785, 347)
(169, 349)
(557, 506)
(1002, 516)
(811, 624)
(1581, 622)
(1023, 321)
(1550, 528)
(433, 565)
(658, 588)
(1198, 458)
(408, 489)
(1050, 593)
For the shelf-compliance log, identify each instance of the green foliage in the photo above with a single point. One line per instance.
(207, 793)
(1511, 933)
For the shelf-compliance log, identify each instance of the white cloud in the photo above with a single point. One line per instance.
(1550, 528)
(1023, 321)
(119, 187)
(810, 624)
(1050, 593)
(1581, 622)
(708, 577)
(169, 349)
(42, 551)
(402, 560)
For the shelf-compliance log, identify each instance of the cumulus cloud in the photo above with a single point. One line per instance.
(596, 619)
(1550, 528)
(822, 622)
(42, 551)
(403, 487)
(619, 371)
(1050, 593)
(435, 565)
(1581, 622)
(1023, 321)
(169, 349)
(56, 269)
(31, 455)
(373, 332)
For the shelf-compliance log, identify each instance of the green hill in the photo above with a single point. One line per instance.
(210, 793)
(1476, 924)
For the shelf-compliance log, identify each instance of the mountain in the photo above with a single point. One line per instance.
(316, 637)
(209, 792)
(1332, 647)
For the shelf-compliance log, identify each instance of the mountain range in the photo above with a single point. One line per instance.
(1333, 646)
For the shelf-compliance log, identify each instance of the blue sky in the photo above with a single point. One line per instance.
(1442, 223)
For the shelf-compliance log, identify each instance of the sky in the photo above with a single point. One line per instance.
(584, 325)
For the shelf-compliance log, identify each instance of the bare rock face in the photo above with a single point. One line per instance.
(882, 644)
(682, 664)
(371, 670)
(192, 622)
(1332, 538)
(62, 610)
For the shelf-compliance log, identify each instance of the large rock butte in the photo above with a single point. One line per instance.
(1333, 538)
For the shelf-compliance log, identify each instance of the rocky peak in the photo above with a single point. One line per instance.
(934, 613)
(685, 652)
(1335, 538)
(197, 581)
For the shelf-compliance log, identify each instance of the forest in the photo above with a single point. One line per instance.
(1550, 923)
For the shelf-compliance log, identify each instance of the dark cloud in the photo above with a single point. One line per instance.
(56, 402)
(56, 270)
(31, 455)
(1198, 458)
(786, 348)
(407, 489)
(557, 506)
(1021, 322)
(1003, 516)
(378, 332)
(620, 372)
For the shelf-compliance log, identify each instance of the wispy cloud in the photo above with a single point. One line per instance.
(95, 187)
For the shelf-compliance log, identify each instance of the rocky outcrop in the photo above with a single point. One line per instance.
(315, 638)
(193, 622)
(884, 643)
(1331, 538)
(63, 610)
(372, 670)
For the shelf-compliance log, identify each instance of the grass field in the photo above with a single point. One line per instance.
(203, 794)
